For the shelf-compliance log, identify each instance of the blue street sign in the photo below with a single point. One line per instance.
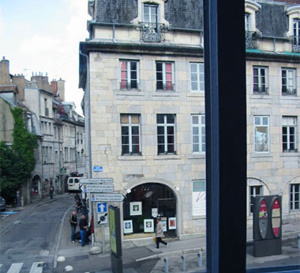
(101, 207)
(98, 169)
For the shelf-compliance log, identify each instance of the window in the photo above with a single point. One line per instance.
(199, 198)
(294, 196)
(247, 21)
(46, 107)
(66, 154)
(197, 76)
(260, 79)
(129, 74)
(261, 124)
(288, 81)
(164, 76)
(254, 191)
(198, 133)
(296, 31)
(130, 130)
(150, 15)
(289, 126)
(166, 133)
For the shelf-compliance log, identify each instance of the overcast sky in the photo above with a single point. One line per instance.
(43, 36)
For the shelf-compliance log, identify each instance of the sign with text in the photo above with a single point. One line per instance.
(109, 197)
(96, 180)
(97, 187)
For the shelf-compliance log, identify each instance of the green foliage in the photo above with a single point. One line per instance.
(18, 161)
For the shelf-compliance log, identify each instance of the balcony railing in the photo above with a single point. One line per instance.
(154, 33)
(251, 39)
(289, 91)
(261, 90)
(296, 43)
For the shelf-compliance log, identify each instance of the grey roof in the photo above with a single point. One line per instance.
(272, 20)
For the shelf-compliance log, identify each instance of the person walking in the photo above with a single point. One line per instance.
(159, 233)
(51, 191)
(73, 222)
(83, 226)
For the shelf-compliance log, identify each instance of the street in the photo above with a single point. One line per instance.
(28, 243)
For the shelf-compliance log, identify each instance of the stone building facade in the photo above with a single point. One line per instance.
(59, 130)
(142, 72)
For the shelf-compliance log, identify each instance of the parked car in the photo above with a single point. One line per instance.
(2, 204)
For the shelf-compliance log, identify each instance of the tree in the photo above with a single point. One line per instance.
(18, 161)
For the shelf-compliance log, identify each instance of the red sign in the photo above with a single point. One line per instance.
(276, 219)
(263, 210)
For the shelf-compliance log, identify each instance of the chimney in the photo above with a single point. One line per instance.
(42, 82)
(61, 90)
(4, 72)
(54, 88)
(19, 81)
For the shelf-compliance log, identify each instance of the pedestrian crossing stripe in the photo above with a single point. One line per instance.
(15, 268)
(37, 267)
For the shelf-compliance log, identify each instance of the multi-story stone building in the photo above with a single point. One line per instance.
(142, 72)
(60, 151)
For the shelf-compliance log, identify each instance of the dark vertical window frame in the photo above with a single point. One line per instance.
(224, 52)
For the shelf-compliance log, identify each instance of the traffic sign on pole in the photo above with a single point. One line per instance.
(109, 197)
(97, 187)
(102, 207)
(96, 180)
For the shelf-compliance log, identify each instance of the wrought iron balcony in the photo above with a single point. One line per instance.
(289, 91)
(154, 33)
(296, 43)
(263, 90)
(251, 39)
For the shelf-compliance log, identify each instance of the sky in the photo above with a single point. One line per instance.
(42, 36)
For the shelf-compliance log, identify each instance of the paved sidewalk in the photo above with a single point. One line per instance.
(136, 259)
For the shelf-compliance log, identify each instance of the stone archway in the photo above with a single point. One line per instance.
(35, 187)
(142, 205)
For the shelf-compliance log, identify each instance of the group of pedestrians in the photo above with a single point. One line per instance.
(83, 222)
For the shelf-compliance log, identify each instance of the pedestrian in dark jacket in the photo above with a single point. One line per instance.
(51, 192)
(83, 226)
(73, 222)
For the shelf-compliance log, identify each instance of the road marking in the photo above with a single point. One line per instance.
(37, 267)
(15, 268)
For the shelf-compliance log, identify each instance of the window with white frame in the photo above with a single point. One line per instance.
(289, 137)
(129, 74)
(260, 79)
(288, 80)
(199, 198)
(166, 134)
(197, 76)
(150, 16)
(164, 76)
(296, 31)
(131, 130)
(261, 126)
(254, 191)
(46, 107)
(198, 133)
(294, 196)
(247, 22)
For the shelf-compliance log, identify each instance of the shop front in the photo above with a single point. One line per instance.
(141, 207)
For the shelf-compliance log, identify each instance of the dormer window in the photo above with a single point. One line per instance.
(250, 23)
(151, 20)
(294, 27)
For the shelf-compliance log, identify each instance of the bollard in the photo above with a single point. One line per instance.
(166, 265)
(299, 241)
(183, 263)
(200, 259)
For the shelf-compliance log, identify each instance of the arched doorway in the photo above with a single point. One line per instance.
(143, 204)
(35, 187)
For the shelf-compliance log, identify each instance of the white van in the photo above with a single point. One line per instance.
(73, 184)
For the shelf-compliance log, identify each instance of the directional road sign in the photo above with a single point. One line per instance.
(96, 180)
(102, 207)
(109, 197)
(97, 187)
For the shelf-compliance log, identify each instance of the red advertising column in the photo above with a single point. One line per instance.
(276, 217)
